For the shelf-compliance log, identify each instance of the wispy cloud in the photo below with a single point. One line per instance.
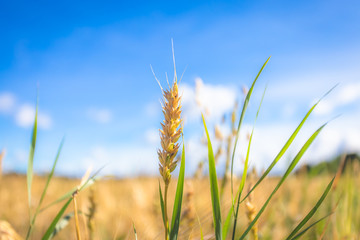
(212, 100)
(7, 102)
(100, 115)
(25, 115)
(346, 95)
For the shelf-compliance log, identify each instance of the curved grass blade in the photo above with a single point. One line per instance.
(50, 175)
(162, 205)
(288, 171)
(135, 231)
(313, 210)
(287, 144)
(67, 195)
(45, 190)
(313, 224)
(246, 102)
(246, 165)
(215, 200)
(29, 174)
(86, 184)
(60, 199)
(53, 224)
(175, 220)
(63, 222)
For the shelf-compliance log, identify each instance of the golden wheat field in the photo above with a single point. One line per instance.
(119, 203)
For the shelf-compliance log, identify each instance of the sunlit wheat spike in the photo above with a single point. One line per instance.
(170, 131)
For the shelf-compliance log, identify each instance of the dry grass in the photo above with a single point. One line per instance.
(2, 154)
(121, 202)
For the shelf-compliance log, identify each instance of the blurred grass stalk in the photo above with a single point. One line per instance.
(221, 231)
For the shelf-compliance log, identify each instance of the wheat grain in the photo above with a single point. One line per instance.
(170, 131)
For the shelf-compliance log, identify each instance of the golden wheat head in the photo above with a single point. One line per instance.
(170, 131)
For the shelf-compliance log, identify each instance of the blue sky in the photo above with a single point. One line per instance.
(91, 63)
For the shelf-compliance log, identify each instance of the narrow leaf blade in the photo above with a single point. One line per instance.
(288, 171)
(29, 174)
(162, 205)
(215, 199)
(310, 226)
(175, 221)
(312, 212)
(63, 222)
(57, 218)
(246, 103)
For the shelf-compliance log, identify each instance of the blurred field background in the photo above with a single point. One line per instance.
(121, 202)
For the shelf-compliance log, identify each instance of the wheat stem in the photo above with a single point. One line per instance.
(76, 216)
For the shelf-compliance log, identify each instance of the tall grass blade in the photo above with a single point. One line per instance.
(215, 199)
(246, 102)
(287, 144)
(175, 220)
(312, 212)
(246, 165)
(53, 224)
(310, 226)
(81, 187)
(50, 175)
(69, 194)
(44, 191)
(29, 174)
(135, 234)
(63, 222)
(288, 171)
(162, 205)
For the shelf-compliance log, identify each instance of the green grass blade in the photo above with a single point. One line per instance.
(44, 191)
(86, 184)
(285, 147)
(227, 223)
(63, 222)
(246, 166)
(67, 195)
(288, 171)
(310, 226)
(53, 224)
(162, 205)
(312, 212)
(215, 199)
(29, 174)
(60, 199)
(175, 220)
(246, 102)
(51, 173)
(135, 234)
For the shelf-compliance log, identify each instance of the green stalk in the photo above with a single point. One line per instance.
(166, 215)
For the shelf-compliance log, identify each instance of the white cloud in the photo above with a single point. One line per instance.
(213, 100)
(122, 161)
(152, 136)
(100, 115)
(346, 95)
(25, 115)
(7, 103)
